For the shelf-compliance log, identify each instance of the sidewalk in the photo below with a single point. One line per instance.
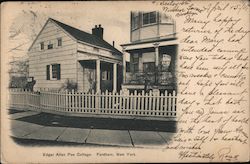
(51, 130)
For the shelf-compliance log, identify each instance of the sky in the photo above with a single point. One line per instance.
(28, 19)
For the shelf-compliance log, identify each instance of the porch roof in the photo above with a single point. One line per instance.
(149, 44)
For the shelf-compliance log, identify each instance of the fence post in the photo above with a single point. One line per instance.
(66, 101)
(169, 104)
(142, 102)
(73, 100)
(93, 95)
(138, 107)
(150, 102)
(135, 102)
(120, 102)
(106, 101)
(161, 105)
(174, 103)
(156, 94)
(98, 102)
(131, 103)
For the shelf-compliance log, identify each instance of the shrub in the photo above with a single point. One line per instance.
(69, 85)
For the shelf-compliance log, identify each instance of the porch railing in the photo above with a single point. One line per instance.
(162, 78)
(112, 104)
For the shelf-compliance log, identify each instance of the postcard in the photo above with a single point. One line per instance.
(125, 81)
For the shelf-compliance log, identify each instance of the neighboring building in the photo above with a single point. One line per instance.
(63, 53)
(152, 50)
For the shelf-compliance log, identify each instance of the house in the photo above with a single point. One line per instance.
(62, 53)
(152, 48)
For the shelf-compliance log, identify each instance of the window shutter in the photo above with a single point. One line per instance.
(48, 72)
(58, 72)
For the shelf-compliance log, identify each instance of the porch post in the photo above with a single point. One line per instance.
(124, 66)
(98, 74)
(156, 45)
(114, 77)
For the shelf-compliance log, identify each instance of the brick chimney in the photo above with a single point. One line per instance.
(98, 31)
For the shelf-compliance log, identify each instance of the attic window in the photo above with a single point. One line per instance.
(42, 46)
(59, 42)
(50, 46)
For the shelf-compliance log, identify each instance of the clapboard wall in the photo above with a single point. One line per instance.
(64, 55)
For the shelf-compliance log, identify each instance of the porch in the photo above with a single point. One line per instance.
(150, 67)
(98, 76)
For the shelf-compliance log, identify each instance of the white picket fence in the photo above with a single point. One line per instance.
(113, 104)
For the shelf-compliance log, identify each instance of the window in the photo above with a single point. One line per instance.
(59, 42)
(53, 72)
(149, 67)
(135, 21)
(42, 46)
(50, 46)
(106, 75)
(149, 18)
(135, 62)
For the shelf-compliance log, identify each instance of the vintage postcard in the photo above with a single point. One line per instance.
(125, 82)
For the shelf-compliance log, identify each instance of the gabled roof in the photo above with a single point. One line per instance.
(86, 37)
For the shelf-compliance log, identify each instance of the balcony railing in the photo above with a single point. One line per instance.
(151, 78)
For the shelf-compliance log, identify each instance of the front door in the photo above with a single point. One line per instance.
(106, 80)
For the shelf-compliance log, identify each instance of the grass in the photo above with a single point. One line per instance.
(53, 120)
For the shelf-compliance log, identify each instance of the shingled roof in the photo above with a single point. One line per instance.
(86, 37)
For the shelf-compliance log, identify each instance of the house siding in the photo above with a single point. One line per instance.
(64, 55)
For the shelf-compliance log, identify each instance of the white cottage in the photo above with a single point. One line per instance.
(62, 53)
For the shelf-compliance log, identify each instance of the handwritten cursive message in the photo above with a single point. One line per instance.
(213, 69)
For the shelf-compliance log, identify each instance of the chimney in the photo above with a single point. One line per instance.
(98, 31)
(113, 43)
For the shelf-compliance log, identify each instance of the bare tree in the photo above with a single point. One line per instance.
(18, 73)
